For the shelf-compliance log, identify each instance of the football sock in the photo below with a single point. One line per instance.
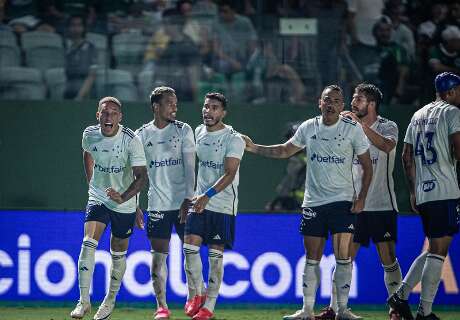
(86, 267)
(159, 273)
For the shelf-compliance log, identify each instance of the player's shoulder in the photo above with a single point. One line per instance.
(182, 126)
(348, 122)
(386, 122)
(92, 130)
(145, 127)
(200, 128)
(128, 132)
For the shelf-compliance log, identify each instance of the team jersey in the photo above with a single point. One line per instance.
(428, 133)
(113, 158)
(212, 148)
(330, 151)
(164, 151)
(381, 195)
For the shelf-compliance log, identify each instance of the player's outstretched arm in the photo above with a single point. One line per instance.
(231, 166)
(278, 151)
(140, 175)
(408, 163)
(88, 163)
(366, 178)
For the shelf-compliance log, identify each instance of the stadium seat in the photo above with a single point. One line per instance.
(128, 50)
(10, 54)
(146, 83)
(19, 83)
(43, 50)
(56, 81)
(101, 43)
(117, 83)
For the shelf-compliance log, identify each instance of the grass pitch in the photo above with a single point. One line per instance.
(227, 312)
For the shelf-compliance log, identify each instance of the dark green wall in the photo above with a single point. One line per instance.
(41, 163)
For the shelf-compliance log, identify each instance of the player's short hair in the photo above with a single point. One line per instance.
(109, 99)
(159, 92)
(333, 87)
(217, 96)
(372, 93)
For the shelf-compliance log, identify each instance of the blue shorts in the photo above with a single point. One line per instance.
(160, 223)
(213, 227)
(380, 226)
(329, 218)
(122, 223)
(440, 218)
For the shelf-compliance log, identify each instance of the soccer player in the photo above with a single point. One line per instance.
(330, 204)
(114, 163)
(431, 148)
(378, 219)
(169, 148)
(211, 220)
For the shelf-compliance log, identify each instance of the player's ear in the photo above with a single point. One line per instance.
(98, 114)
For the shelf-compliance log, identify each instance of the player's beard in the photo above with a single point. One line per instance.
(361, 113)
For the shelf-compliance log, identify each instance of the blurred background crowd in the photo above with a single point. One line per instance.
(255, 51)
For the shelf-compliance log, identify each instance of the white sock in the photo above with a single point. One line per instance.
(117, 271)
(216, 274)
(413, 276)
(159, 274)
(392, 277)
(431, 276)
(191, 292)
(311, 276)
(333, 303)
(86, 267)
(193, 267)
(342, 275)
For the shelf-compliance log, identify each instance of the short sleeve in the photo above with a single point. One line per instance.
(359, 142)
(235, 147)
(188, 144)
(84, 142)
(299, 138)
(390, 131)
(453, 120)
(408, 138)
(136, 153)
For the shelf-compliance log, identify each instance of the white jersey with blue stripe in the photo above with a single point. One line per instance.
(330, 151)
(113, 158)
(381, 195)
(212, 149)
(164, 150)
(428, 133)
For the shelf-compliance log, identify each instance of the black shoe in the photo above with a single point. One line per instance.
(431, 316)
(401, 306)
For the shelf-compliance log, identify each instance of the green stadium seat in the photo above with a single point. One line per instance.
(117, 83)
(20, 83)
(10, 54)
(43, 50)
(56, 82)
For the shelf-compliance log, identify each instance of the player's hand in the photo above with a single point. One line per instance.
(413, 203)
(183, 211)
(114, 195)
(139, 218)
(250, 146)
(358, 205)
(200, 203)
(351, 115)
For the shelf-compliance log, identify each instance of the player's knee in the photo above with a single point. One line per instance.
(439, 246)
(118, 244)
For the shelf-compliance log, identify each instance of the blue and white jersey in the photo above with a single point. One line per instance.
(330, 151)
(113, 158)
(428, 133)
(381, 195)
(212, 148)
(164, 150)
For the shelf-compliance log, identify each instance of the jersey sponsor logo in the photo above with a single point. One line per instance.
(374, 161)
(211, 164)
(308, 214)
(327, 159)
(165, 163)
(111, 169)
(428, 185)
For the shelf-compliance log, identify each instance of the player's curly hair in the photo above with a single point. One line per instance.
(158, 93)
(372, 93)
(217, 96)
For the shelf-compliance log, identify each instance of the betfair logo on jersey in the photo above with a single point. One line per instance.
(211, 164)
(165, 163)
(111, 169)
(327, 159)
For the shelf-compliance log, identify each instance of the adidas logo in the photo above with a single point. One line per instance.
(113, 278)
(393, 284)
(129, 231)
(346, 286)
(94, 149)
(387, 235)
(83, 269)
(351, 227)
(304, 285)
(313, 137)
(149, 144)
(217, 237)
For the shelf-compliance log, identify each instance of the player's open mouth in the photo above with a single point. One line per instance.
(173, 114)
(207, 118)
(108, 125)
